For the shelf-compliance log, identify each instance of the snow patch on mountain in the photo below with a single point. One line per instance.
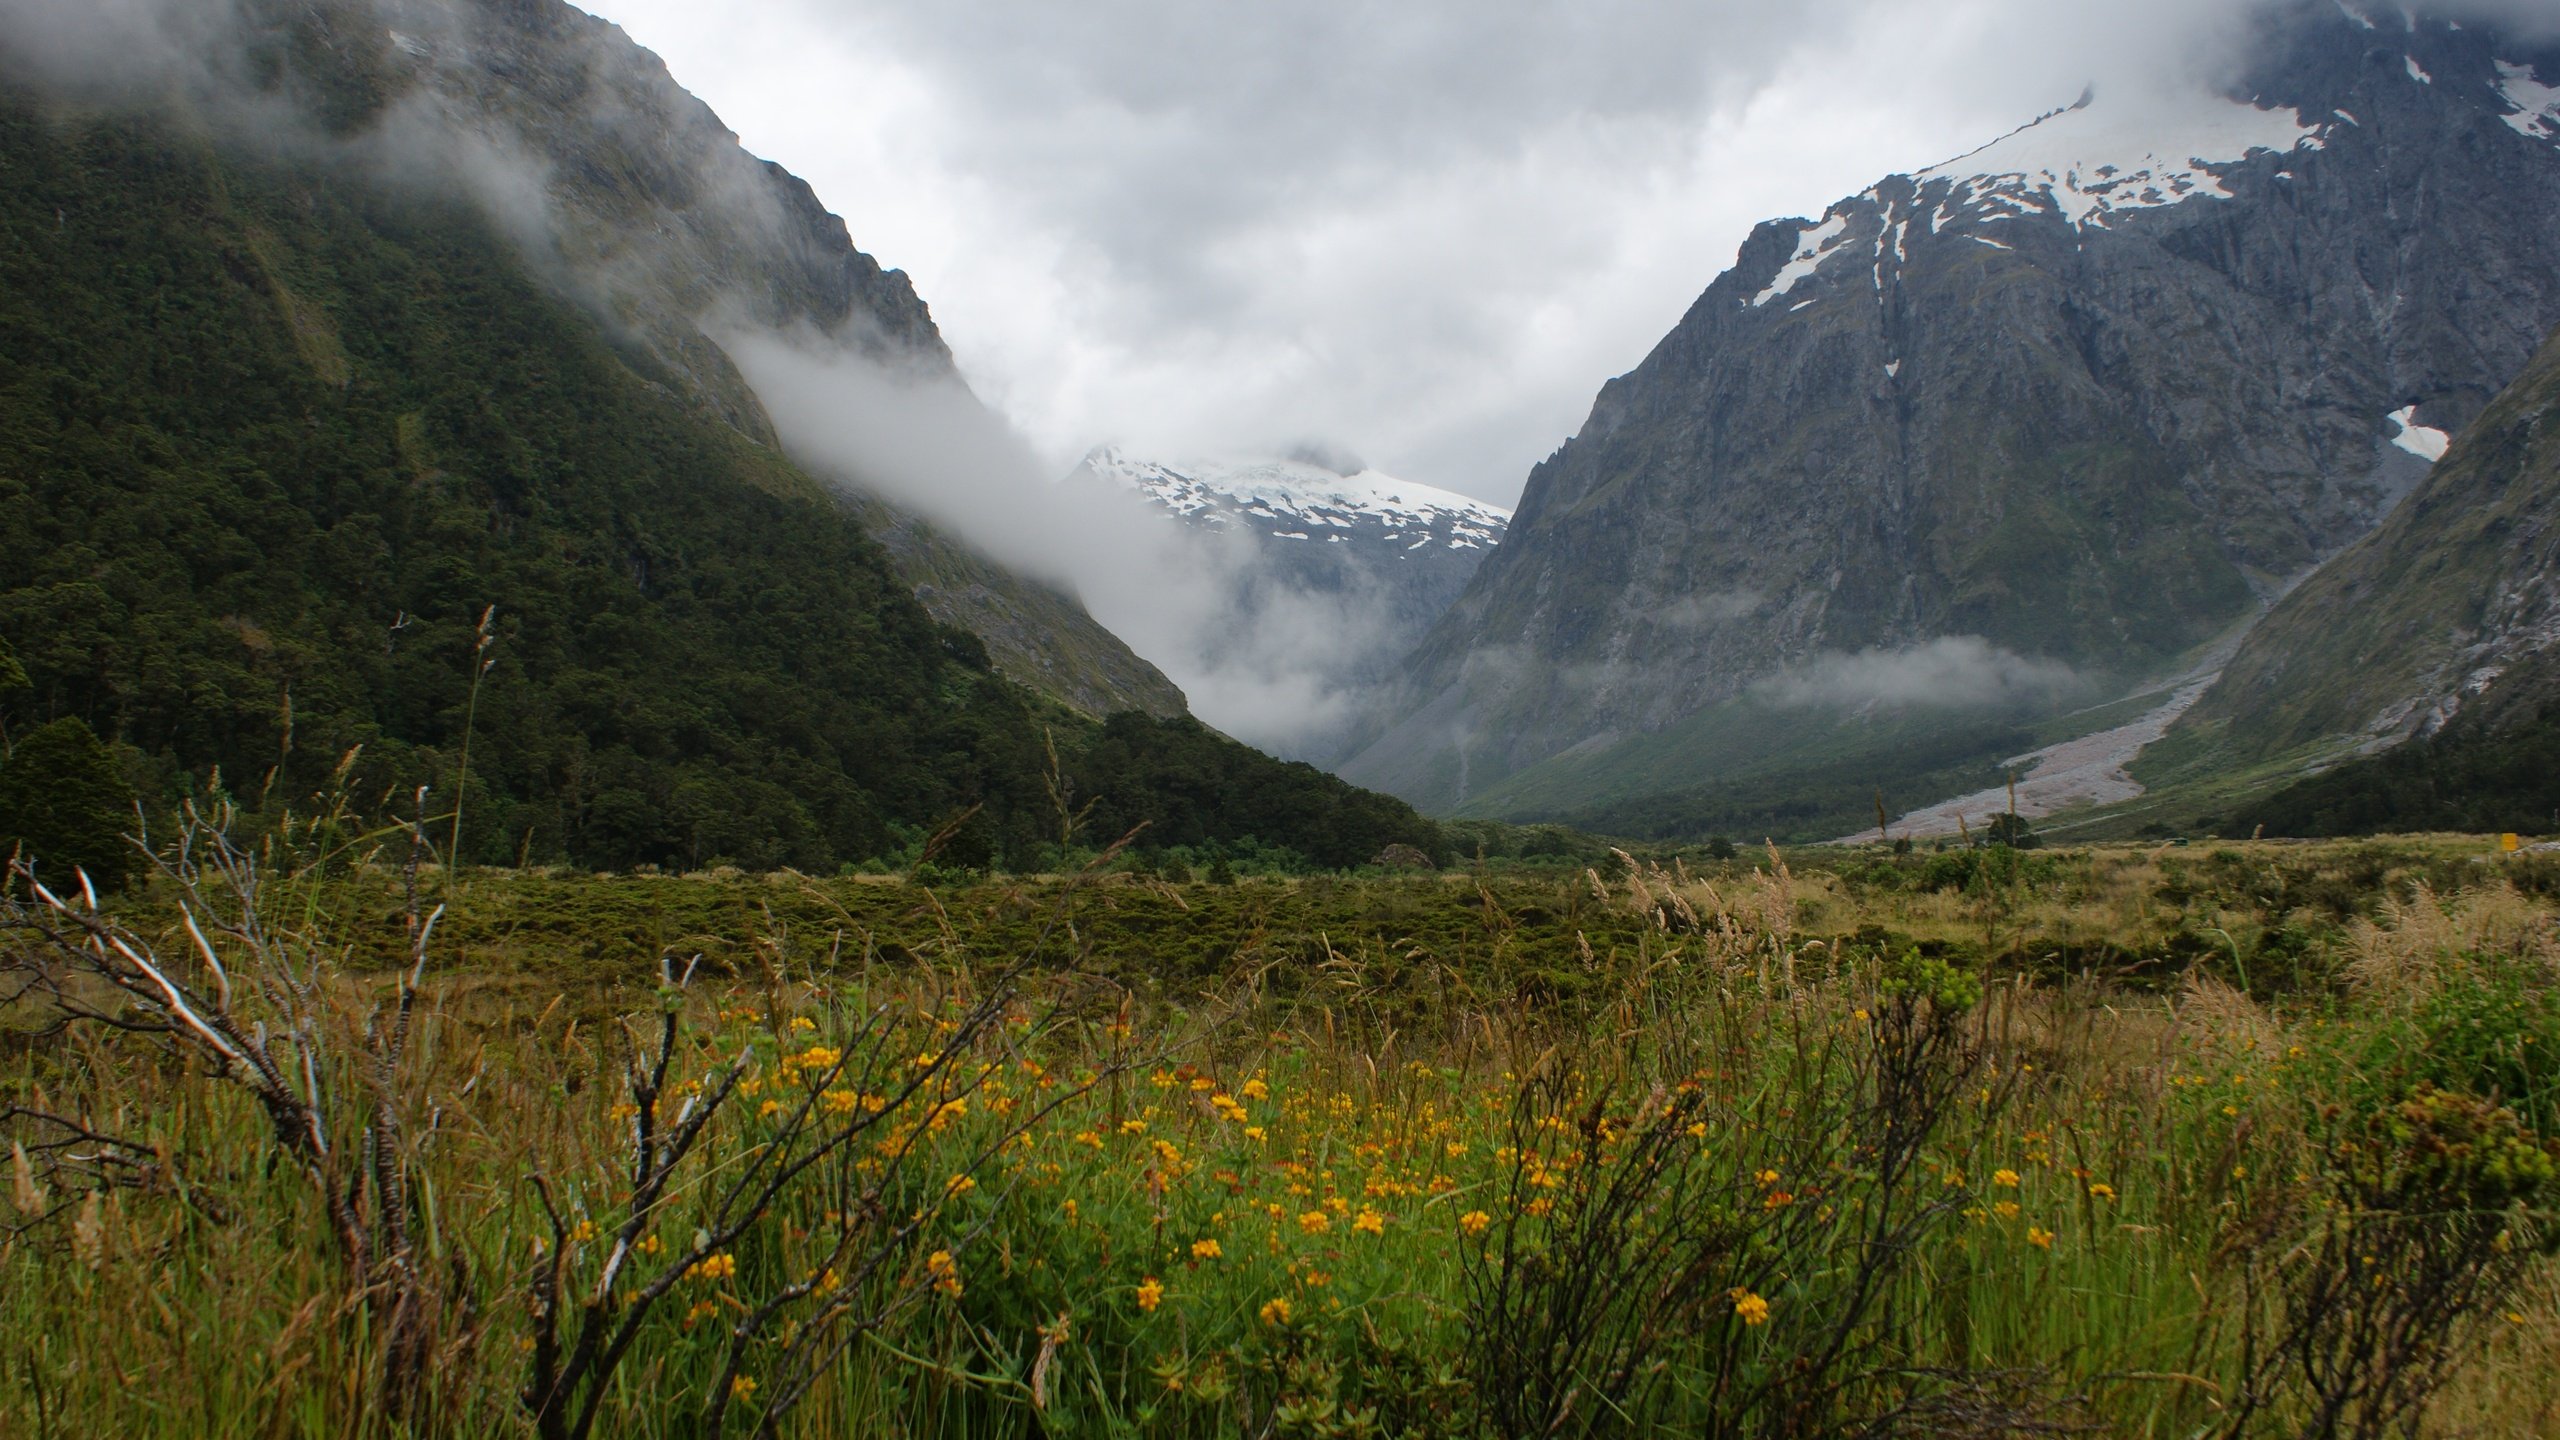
(1814, 246)
(2423, 441)
(2093, 161)
(2086, 164)
(2537, 106)
(1292, 499)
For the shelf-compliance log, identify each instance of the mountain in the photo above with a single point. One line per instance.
(2434, 634)
(1320, 543)
(2004, 440)
(635, 201)
(317, 459)
(1357, 523)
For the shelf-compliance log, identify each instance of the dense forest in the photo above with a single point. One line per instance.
(292, 463)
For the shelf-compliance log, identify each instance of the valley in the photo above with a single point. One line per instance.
(612, 825)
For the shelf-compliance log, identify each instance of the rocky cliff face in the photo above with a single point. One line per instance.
(628, 193)
(2075, 402)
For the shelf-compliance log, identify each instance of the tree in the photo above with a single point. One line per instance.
(2013, 831)
(64, 801)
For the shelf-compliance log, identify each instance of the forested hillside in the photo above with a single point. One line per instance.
(274, 439)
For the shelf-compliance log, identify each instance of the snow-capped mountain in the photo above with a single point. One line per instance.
(1321, 565)
(1304, 500)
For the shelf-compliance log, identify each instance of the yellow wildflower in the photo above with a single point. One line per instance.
(2039, 1237)
(742, 1387)
(1315, 1222)
(1275, 1311)
(1206, 1250)
(1150, 1293)
(1370, 1222)
(2005, 1179)
(944, 1272)
(1475, 1222)
(1750, 1308)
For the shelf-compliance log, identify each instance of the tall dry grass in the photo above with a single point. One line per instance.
(1261, 1209)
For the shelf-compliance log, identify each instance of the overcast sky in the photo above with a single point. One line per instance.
(1422, 230)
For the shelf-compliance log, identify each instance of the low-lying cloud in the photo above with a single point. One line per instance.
(1951, 672)
(1258, 657)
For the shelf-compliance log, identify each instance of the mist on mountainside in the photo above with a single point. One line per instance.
(871, 401)
(1256, 656)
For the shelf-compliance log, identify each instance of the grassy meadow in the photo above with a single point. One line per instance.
(309, 1139)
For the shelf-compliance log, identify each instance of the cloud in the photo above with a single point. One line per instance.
(1429, 228)
(1953, 671)
(1268, 662)
(108, 46)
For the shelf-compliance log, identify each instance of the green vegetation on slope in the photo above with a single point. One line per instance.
(2494, 768)
(274, 440)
